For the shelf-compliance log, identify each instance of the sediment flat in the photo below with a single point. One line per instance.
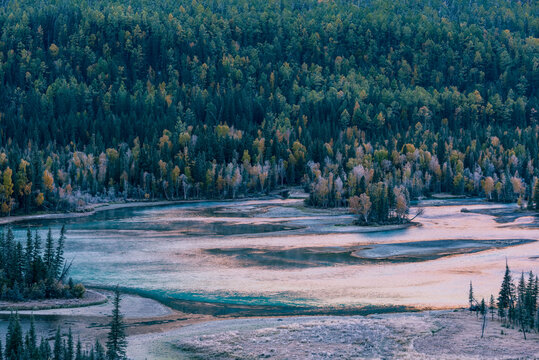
(424, 335)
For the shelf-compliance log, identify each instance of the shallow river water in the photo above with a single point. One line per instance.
(279, 253)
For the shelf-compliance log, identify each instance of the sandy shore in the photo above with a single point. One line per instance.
(90, 298)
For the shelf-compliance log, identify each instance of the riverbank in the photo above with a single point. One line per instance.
(95, 208)
(90, 298)
(142, 316)
(158, 332)
(294, 194)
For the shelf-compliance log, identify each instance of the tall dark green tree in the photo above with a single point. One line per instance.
(116, 341)
(471, 298)
(14, 339)
(506, 295)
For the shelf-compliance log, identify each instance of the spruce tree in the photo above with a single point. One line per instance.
(32, 338)
(492, 306)
(57, 351)
(505, 298)
(14, 342)
(9, 258)
(37, 261)
(48, 256)
(116, 343)
(99, 351)
(522, 312)
(483, 310)
(28, 254)
(78, 355)
(530, 300)
(470, 296)
(59, 255)
(45, 349)
(69, 347)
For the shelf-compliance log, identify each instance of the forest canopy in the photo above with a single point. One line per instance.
(223, 98)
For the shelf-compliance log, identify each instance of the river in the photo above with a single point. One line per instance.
(278, 253)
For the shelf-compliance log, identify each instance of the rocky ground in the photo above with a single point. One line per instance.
(424, 335)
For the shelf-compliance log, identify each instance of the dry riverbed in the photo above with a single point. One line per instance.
(423, 335)
(158, 332)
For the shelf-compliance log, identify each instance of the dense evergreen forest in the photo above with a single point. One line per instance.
(35, 271)
(378, 101)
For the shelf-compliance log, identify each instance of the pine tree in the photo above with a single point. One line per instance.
(69, 347)
(45, 349)
(9, 246)
(483, 310)
(505, 298)
(37, 261)
(492, 306)
(28, 254)
(530, 300)
(470, 296)
(48, 257)
(78, 355)
(521, 302)
(58, 349)
(14, 342)
(116, 343)
(59, 256)
(99, 351)
(18, 264)
(32, 339)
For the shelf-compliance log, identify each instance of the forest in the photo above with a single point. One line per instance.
(33, 272)
(20, 345)
(359, 102)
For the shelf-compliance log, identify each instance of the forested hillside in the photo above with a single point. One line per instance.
(219, 99)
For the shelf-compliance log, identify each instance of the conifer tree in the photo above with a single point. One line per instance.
(28, 254)
(14, 343)
(99, 351)
(471, 296)
(59, 255)
(32, 339)
(69, 347)
(116, 343)
(58, 348)
(492, 306)
(505, 297)
(48, 256)
(78, 354)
